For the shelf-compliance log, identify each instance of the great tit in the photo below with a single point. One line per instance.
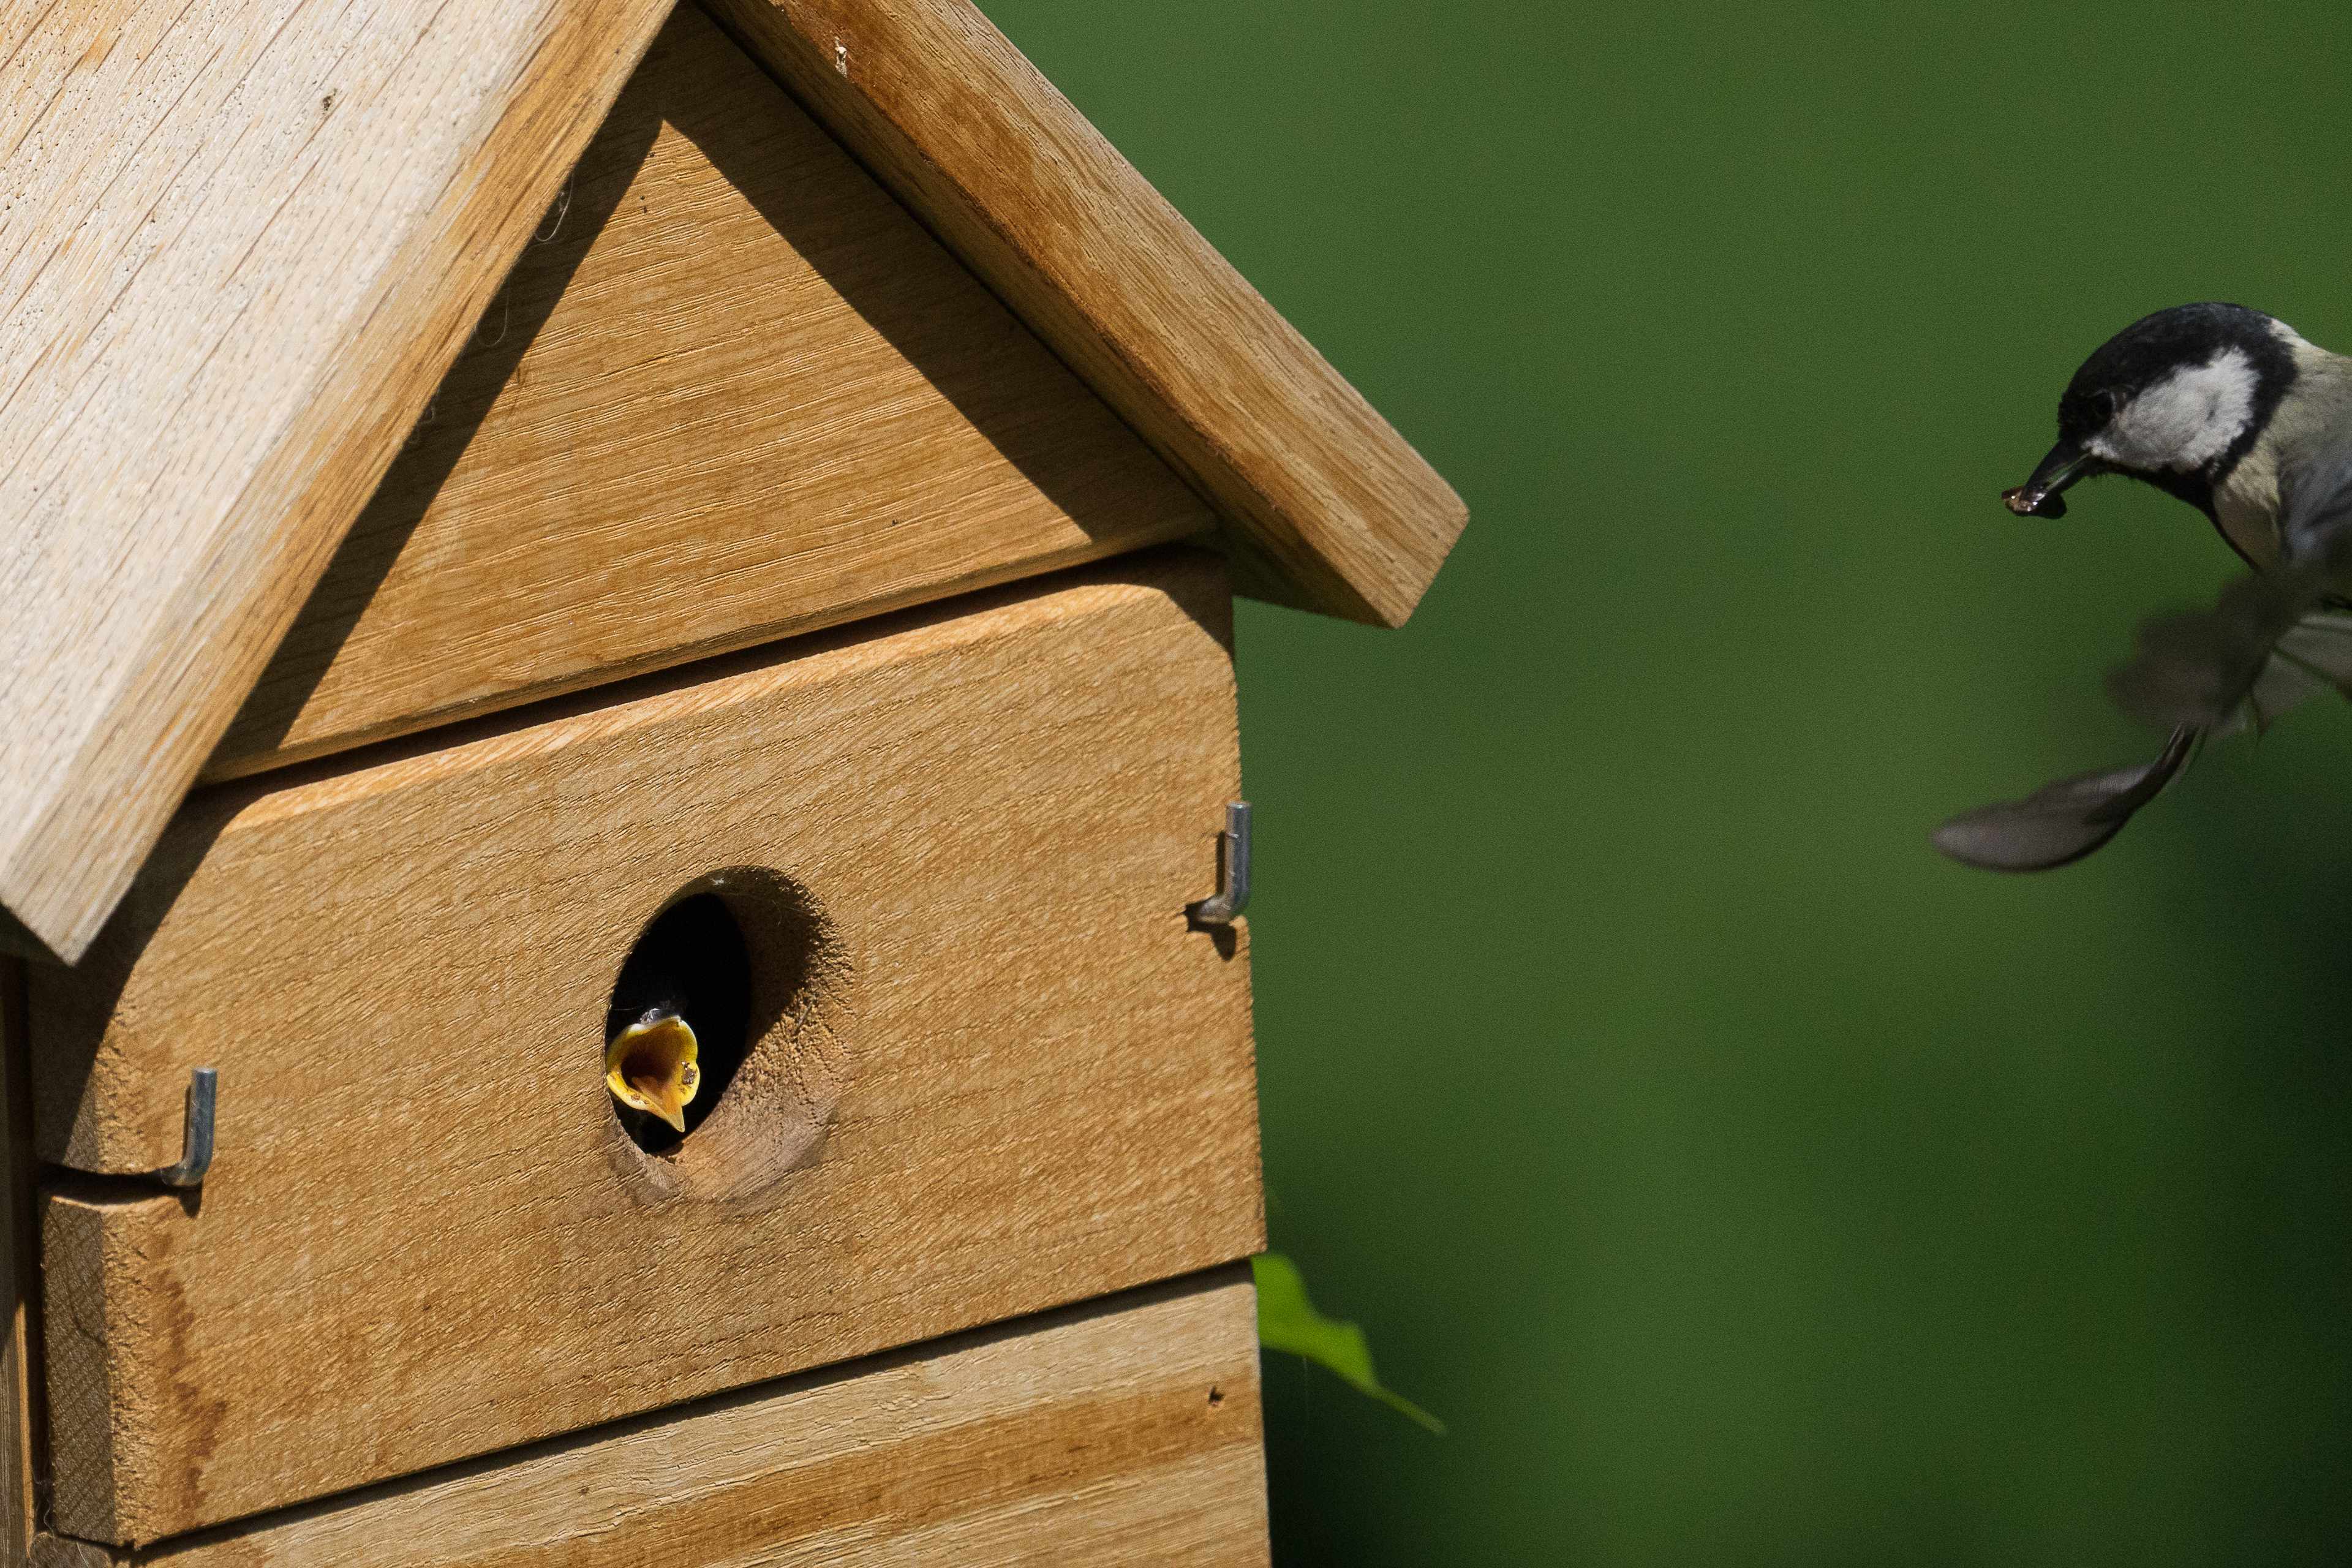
(2233, 412)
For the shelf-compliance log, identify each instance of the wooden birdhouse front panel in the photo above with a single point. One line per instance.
(987, 1064)
(1101, 1435)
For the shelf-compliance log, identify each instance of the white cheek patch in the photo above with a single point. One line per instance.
(2184, 421)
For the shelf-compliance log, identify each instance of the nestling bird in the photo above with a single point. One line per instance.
(2231, 411)
(650, 1067)
(680, 1021)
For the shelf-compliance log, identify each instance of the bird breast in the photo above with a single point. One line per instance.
(2246, 505)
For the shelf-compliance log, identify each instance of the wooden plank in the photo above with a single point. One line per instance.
(20, 1434)
(738, 393)
(996, 1069)
(1118, 1432)
(243, 240)
(1335, 509)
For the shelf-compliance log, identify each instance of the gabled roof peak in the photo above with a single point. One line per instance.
(244, 243)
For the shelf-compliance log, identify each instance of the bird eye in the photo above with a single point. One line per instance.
(2107, 401)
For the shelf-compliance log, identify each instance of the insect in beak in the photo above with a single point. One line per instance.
(2038, 496)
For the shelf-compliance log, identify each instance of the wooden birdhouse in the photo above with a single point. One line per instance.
(618, 819)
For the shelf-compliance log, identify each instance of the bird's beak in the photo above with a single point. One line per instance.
(651, 1065)
(2038, 496)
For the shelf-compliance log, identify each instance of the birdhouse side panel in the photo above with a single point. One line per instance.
(733, 391)
(988, 1065)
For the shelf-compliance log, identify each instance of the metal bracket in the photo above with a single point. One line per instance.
(1232, 894)
(196, 1143)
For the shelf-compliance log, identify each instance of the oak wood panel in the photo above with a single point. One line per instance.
(242, 239)
(1335, 509)
(738, 391)
(1001, 1073)
(1119, 1432)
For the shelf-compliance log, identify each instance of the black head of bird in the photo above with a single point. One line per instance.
(2233, 412)
(2196, 400)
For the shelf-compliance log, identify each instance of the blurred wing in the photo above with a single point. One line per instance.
(2202, 668)
(2272, 640)
(2320, 644)
(2313, 657)
(2061, 823)
(2316, 514)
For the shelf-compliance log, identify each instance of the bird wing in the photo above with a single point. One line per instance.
(2265, 645)
(2272, 640)
(2315, 506)
(2059, 824)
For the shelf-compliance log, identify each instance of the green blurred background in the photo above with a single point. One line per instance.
(1744, 1184)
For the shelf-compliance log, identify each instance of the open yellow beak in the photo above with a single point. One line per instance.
(650, 1066)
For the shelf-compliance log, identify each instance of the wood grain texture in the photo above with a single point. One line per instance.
(243, 240)
(1120, 1432)
(736, 393)
(1334, 509)
(1001, 1073)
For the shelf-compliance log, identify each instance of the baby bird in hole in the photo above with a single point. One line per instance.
(651, 1068)
(679, 1015)
(2234, 413)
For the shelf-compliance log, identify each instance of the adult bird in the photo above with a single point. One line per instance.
(2233, 412)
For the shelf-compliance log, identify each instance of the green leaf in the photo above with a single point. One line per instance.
(1287, 1321)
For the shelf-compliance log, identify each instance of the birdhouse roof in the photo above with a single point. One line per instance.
(241, 242)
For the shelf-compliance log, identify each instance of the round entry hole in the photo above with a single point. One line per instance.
(749, 963)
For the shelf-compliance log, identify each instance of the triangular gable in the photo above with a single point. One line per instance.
(732, 391)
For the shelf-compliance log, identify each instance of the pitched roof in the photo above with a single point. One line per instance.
(1343, 516)
(244, 239)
